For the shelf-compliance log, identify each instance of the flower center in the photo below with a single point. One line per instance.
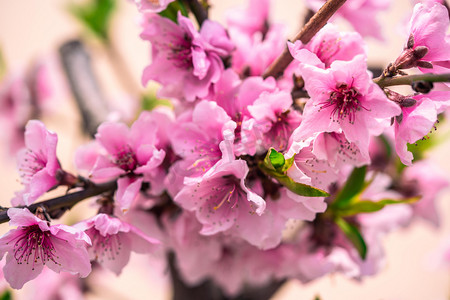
(126, 160)
(33, 246)
(180, 53)
(345, 101)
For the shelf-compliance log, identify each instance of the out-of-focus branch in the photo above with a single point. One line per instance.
(84, 85)
(67, 201)
(319, 20)
(199, 11)
(410, 79)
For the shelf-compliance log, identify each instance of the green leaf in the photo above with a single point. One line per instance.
(367, 206)
(276, 158)
(354, 236)
(171, 12)
(275, 166)
(6, 295)
(95, 15)
(149, 102)
(295, 187)
(353, 186)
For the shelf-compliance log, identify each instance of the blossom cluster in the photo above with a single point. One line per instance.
(252, 178)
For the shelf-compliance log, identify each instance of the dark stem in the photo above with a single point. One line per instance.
(199, 11)
(83, 84)
(319, 20)
(410, 79)
(66, 201)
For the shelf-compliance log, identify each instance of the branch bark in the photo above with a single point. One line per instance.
(200, 13)
(319, 20)
(410, 79)
(83, 83)
(66, 201)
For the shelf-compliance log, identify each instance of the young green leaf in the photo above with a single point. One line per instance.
(276, 158)
(367, 206)
(6, 295)
(171, 12)
(149, 102)
(95, 15)
(354, 185)
(354, 236)
(295, 187)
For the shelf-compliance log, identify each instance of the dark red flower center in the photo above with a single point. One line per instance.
(345, 100)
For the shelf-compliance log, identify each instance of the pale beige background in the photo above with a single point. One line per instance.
(29, 29)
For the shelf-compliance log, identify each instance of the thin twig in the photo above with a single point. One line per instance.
(409, 79)
(319, 20)
(66, 201)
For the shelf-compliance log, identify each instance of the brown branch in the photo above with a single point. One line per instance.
(84, 85)
(410, 79)
(66, 201)
(199, 11)
(319, 20)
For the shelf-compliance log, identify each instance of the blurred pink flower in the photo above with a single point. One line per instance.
(154, 6)
(361, 14)
(328, 45)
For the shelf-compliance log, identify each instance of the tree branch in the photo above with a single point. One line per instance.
(410, 79)
(84, 85)
(67, 201)
(200, 13)
(319, 20)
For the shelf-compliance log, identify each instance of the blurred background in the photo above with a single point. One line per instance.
(34, 30)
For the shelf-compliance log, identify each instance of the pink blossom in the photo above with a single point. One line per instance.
(53, 286)
(250, 20)
(35, 243)
(154, 6)
(221, 257)
(24, 96)
(254, 53)
(361, 14)
(128, 153)
(327, 46)
(337, 151)
(428, 40)
(113, 240)
(37, 164)
(415, 123)
(274, 118)
(222, 202)
(197, 138)
(426, 180)
(344, 99)
(184, 61)
(235, 96)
